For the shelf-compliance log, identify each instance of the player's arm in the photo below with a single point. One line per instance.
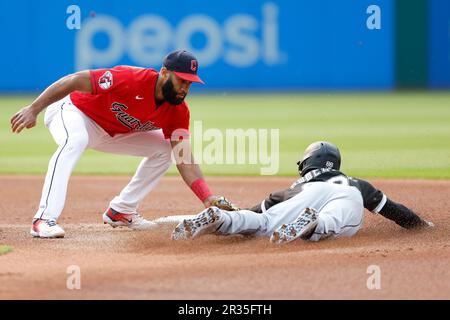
(191, 172)
(377, 202)
(26, 117)
(273, 199)
(402, 215)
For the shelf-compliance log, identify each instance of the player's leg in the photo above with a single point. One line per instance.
(320, 206)
(247, 222)
(342, 217)
(301, 228)
(221, 222)
(314, 196)
(68, 129)
(157, 159)
(243, 222)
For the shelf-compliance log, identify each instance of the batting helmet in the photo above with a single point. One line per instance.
(320, 154)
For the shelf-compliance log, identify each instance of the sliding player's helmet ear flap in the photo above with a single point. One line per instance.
(320, 154)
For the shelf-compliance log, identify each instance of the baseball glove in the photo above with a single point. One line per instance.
(224, 204)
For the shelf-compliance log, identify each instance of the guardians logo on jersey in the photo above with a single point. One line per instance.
(130, 121)
(106, 80)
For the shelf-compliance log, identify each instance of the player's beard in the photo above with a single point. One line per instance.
(169, 93)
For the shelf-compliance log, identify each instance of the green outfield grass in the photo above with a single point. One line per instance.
(380, 135)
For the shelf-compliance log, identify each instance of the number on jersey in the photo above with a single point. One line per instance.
(342, 180)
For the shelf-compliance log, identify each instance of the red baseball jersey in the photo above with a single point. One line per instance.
(123, 100)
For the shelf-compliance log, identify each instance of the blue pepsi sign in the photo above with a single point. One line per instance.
(285, 44)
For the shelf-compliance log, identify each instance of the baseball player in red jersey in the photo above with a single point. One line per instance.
(123, 110)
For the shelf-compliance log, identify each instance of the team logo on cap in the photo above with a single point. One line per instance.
(106, 80)
(329, 164)
(194, 65)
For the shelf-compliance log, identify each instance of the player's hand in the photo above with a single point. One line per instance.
(25, 118)
(221, 203)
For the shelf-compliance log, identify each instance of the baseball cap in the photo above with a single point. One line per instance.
(183, 64)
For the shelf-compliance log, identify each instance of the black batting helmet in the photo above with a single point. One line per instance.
(320, 154)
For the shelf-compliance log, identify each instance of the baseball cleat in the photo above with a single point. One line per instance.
(303, 227)
(43, 228)
(425, 223)
(205, 222)
(133, 220)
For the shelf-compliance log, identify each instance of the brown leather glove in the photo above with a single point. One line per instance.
(224, 204)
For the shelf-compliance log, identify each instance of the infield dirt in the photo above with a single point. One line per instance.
(125, 264)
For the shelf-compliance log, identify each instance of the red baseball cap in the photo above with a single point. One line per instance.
(183, 64)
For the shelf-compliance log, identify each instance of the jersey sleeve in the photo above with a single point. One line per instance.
(178, 129)
(109, 80)
(373, 199)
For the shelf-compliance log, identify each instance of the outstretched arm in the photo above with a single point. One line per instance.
(377, 202)
(402, 216)
(26, 117)
(270, 201)
(193, 176)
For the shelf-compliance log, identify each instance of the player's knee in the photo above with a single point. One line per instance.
(164, 154)
(77, 142)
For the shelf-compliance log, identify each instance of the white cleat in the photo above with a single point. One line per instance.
(133, 220)
(303, 227)
(205, 222)
(43, 228)
(428, 224)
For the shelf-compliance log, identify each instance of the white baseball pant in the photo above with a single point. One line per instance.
(340, 209)
(75, 132)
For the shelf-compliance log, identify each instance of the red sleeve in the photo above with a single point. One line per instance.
(179, 127)
(109, 80)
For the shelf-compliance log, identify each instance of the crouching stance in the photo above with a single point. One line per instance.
(323, 203)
